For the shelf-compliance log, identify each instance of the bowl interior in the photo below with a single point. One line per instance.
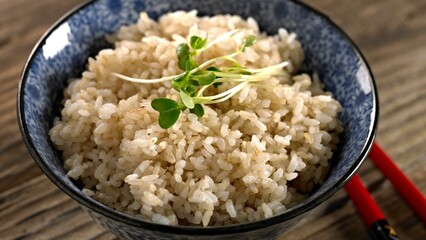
(63, 53)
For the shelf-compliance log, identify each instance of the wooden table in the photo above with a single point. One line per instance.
(391, 34)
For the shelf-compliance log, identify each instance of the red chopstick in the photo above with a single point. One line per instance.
(401, 183)
(367, 207)
(379, 228)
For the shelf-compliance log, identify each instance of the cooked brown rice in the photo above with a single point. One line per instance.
(248, 158)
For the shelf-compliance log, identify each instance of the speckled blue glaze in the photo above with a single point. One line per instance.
(62, 53)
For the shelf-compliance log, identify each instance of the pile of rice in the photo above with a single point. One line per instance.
(248, 158)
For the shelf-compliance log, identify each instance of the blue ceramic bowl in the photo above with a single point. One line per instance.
(63, 51)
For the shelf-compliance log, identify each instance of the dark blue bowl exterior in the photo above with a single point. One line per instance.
(63, 51)
(125, 231)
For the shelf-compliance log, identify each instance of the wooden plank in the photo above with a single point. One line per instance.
(40, 211)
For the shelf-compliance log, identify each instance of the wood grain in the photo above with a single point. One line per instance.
(390, 33)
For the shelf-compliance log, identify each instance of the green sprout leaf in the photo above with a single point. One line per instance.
(164, 104)
(214, 69)
(197, 42)
(190, 64)
(183, 55)
(190, 89)
(248, 42)
(168, 118)
(169, 111)
(187, 100)
(194, 82)
(197, 110)
(181, 82)
(176, 86)
(179, 78)
(239, 70)
(206, 79)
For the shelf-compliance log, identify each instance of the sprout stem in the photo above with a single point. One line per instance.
(234, 91)
(219, 39)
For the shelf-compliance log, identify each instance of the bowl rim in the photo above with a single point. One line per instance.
(108, 212)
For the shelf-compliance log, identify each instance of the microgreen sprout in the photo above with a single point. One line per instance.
(195, 79)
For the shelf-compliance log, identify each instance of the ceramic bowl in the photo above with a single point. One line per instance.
(63, 51)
